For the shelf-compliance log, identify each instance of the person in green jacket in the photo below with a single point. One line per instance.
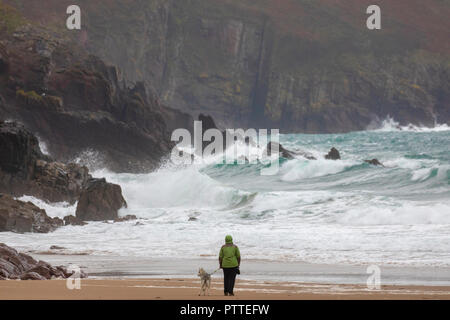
(229, 260)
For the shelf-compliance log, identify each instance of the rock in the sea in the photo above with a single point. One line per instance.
(15, 265)
(75, 101)
(24, 170)
(74, 221)
(59, 182)
(333, 154)
(374, 162)
(19, 150)
(283, 152)
(56, 248)
(207, 122)
(128, 217)
(287, 154)
(100, 200)
(20, 216)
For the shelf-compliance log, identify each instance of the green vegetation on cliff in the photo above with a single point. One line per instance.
(10, 18)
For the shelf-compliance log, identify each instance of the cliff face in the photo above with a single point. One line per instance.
(76, 102)
(298, 65)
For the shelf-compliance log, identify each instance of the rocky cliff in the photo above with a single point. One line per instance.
(24, 170)
(75, 102)
(299, 65)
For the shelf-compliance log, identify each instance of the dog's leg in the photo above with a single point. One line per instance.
(202, 288)
(209, 287)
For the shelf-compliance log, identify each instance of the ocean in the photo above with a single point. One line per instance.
(323, 212)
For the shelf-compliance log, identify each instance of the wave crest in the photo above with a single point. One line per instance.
(390, 125)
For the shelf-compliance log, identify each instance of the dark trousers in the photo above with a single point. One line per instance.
(229, 276)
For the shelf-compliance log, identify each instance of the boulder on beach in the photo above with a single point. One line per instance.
(19, 216)
(333, 154)
(100, 200)
(32, 276)
(15, 265)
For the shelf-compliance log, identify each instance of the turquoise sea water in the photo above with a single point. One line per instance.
(313, 211)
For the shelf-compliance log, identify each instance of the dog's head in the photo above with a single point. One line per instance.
(201, 272)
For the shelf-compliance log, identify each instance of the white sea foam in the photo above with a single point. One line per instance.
(43, 146)
(303, 169)
(403, 214)
(59, 209)
(312, 211)
(421, 174)
(404, 163)
(168, 187)
(389, 124)
(91, 159)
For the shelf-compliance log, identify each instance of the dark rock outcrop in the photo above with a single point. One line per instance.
(59, 182)
(74, 221)
(19, 150)
(15, 265)
(100, 200)
(25, 170)
(207, 122)
(128, 217)
(374, 162)
(19, 216)
(75, 102)
(287, 154)
(283, 152)
(333, 154)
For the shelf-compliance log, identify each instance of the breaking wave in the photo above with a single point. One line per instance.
(390, 125)
(318, 211)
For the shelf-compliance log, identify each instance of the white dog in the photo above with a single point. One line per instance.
(205, 279)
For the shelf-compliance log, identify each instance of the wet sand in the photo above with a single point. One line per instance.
(260, 270)
(113, 277)
(188, 289)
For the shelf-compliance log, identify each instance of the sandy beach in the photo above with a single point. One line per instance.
(188, 289)
(175, 279)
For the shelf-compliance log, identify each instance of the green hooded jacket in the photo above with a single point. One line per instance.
(229, 253)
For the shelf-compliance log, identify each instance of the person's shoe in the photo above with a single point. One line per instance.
(231, 294)
(226, 293)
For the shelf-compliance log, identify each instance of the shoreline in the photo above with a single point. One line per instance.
(120, 267)
(188, 289)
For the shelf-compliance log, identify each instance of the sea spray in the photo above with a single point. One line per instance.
(315, 211)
